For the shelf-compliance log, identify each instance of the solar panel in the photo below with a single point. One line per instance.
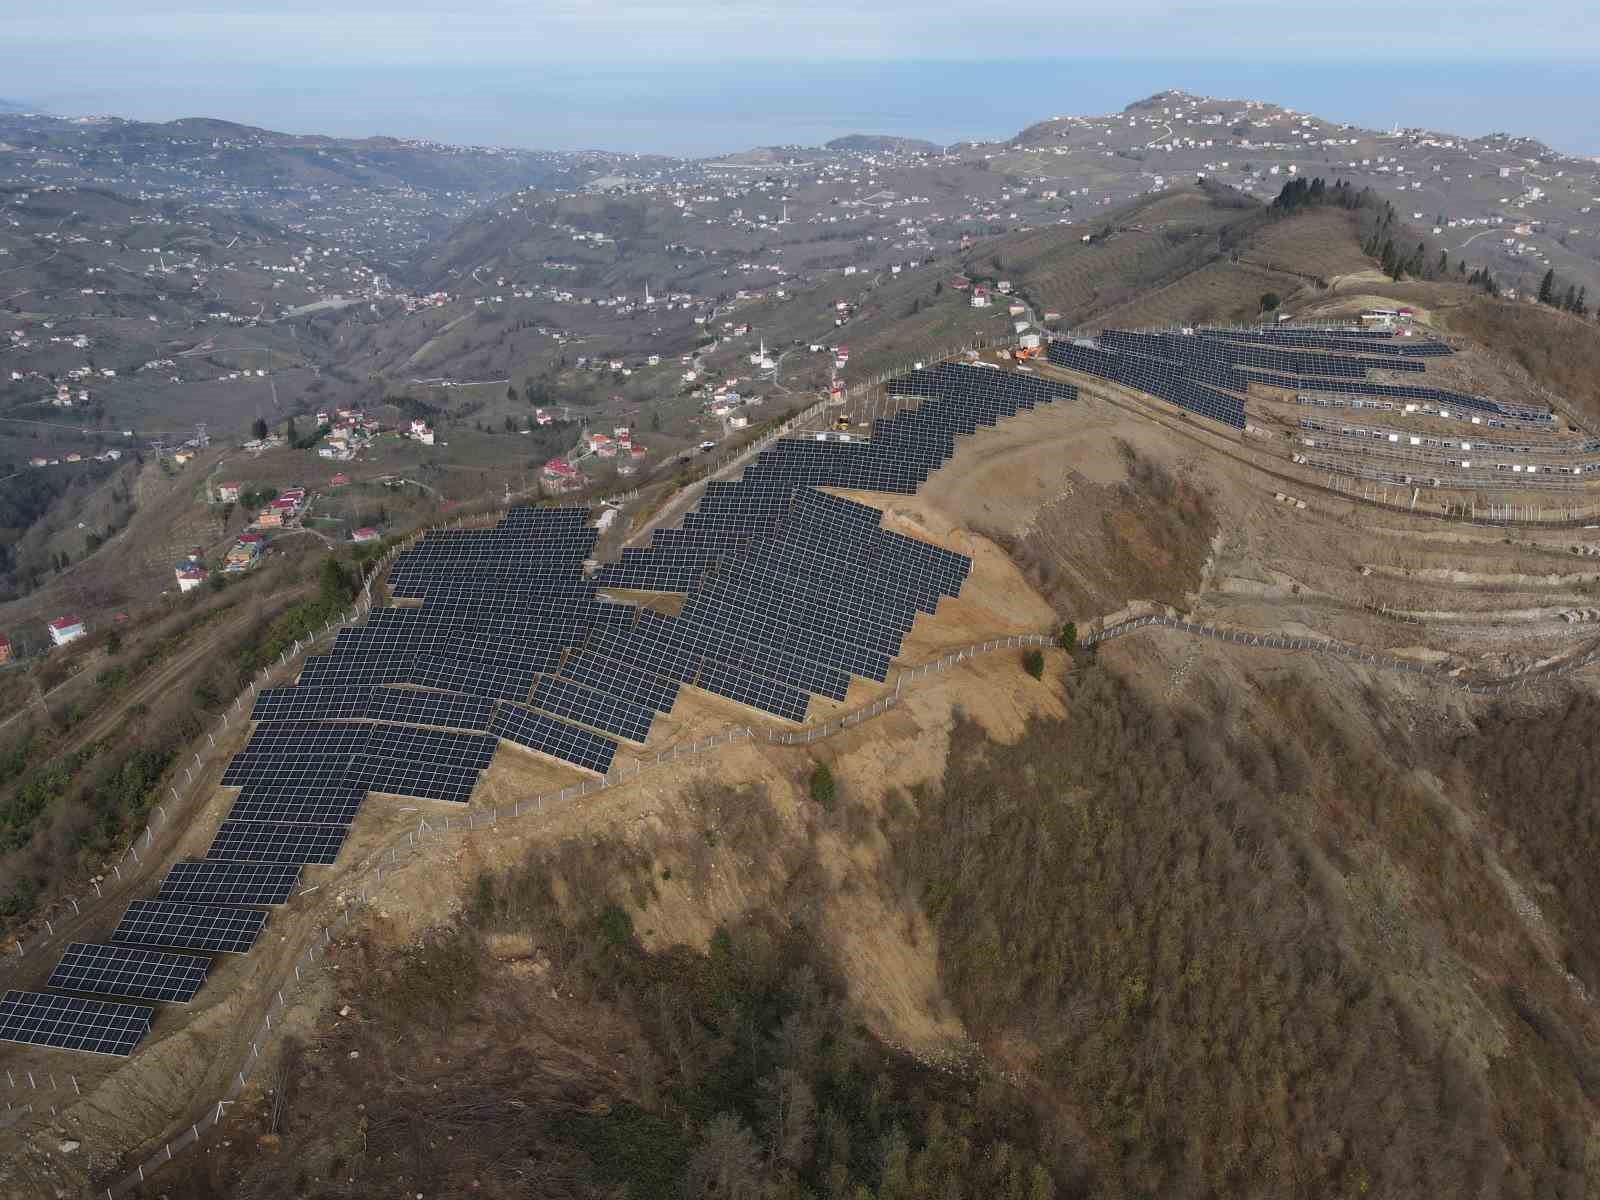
(189, 926)
(280, 772)
(511, 678)
(278, 842)
(434, 745)
(556, 738)
(429, 708)
(333, 805)
(428, 780)
(129, 971)
(611, 714)
(620, 679)
(207, 881)
(308, 737)
(73, 1023)
(311, 703)
(768, 695)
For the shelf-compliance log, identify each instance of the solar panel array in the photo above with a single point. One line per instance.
(524, 726)
(189, 926)
(73, 1023)
(208, 881)
(130, 971)
(1209, 371)
(791, 592)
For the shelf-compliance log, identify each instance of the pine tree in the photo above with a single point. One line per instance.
(1547, 289)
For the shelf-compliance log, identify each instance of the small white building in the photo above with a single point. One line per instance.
(66, 629)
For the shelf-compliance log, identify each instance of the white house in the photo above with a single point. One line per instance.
(66, 629)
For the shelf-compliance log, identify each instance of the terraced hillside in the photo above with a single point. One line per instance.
(1129, 251)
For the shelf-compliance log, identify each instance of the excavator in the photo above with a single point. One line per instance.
(1024, 353)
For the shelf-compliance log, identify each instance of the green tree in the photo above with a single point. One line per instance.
(1033, 663)
(258, 428)
(1270, 301)
(822, 786)
(1067, 638)
(334, 582)
(1388, 258)
(1547, 289)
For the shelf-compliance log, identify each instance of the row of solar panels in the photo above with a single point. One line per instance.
(1317, 371)
(1148, 375)
(1548, 446)
(1359, 341)
(159, 951)
(1196, 371)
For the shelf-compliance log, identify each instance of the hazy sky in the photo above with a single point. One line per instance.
(679, 77)
(454, 32)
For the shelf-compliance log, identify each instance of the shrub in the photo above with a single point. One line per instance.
(616, 926)
(1033, 663)
(822, 787)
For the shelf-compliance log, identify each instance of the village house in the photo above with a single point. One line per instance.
(66, 629)
(559, 476)
(242, 555)
(365, 534)
(5, 649)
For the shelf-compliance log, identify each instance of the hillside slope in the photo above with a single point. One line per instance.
(1178, 919)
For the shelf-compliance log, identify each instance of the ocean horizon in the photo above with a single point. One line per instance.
(700, 109)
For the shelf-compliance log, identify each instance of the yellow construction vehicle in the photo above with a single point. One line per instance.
(841, 423)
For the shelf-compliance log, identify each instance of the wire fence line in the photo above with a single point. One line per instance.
(1440, 674)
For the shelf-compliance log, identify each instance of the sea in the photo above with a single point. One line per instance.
(706, 108)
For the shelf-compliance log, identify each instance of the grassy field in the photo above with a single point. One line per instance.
(1220, 291)
(1321, 242)
(1560, 351)
(1131, 249)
